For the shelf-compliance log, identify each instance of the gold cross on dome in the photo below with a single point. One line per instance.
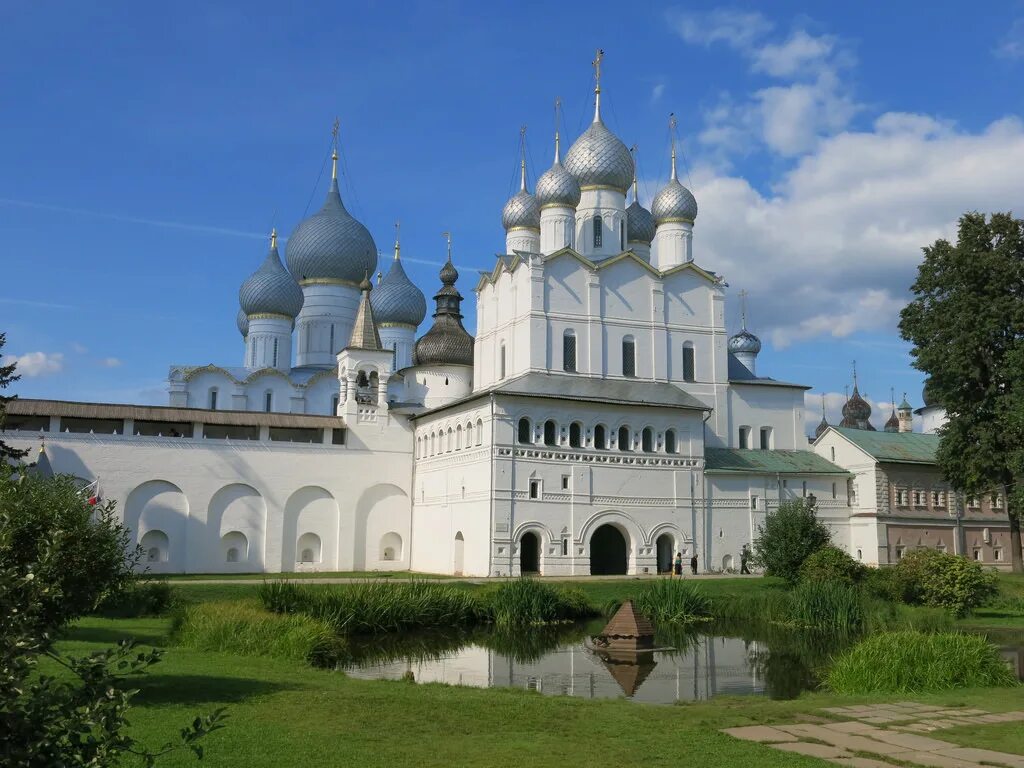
(597, 65)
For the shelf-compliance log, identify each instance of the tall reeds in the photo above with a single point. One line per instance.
(674, 601)
(916, 662)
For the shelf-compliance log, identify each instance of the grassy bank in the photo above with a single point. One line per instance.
(286, 713)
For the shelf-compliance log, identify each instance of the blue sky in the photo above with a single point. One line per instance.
(147, 151)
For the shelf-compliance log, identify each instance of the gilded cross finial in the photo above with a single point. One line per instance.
(273, 238)
(522, 158)
(334, 152)
(743, 308)
(672, 123)
(632, 152)
(398, 243)
(855, 375)
(558, 109)
(448, 236)
(597, 84)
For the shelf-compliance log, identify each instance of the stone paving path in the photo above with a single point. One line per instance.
(885, 735)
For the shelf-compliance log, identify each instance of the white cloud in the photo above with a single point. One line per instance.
(33, 364)
(796, 56)
(78, 349)
(1011, 46)
(657, 92)
(110, 362)
(737, 29)
(832, 248)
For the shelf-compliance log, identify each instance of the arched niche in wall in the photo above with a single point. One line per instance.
(381, 509)
(236, 508)
(159, 507)
(310, 509)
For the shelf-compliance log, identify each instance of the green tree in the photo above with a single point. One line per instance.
(7, 377)
(966, 323)
(790, 535)
(59, 557)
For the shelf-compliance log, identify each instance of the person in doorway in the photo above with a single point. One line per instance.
(693, 564)
(679, 564)
(744, 557)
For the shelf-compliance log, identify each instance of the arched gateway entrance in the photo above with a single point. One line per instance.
(529, 553)
(608, 552)
(664, 553)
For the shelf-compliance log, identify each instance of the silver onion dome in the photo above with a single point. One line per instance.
(639, 224)
(270, 289)
(674, 203)
(396, 299)
(598, 158)
(556, 186)
(242, 320)
(331, 244)
(521, 212)
(744, 342)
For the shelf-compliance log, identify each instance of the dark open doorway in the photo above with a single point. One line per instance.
(608, 552)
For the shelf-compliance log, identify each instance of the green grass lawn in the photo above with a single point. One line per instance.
(286, 713)
(185, 577)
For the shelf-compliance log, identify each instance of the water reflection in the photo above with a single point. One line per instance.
(685, 665)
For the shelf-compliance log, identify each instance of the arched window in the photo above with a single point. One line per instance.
(433, 443)
(689, 369)
(275, 353)
(308, 548)
(252, 353)
(622, 235)
(479, 431)
(213, 399)
(268, 401)
(647, 440)
(501, 361)
(576, 434)
(624, 442)
(332, 349)
(524, 432)
(597, 232)
(362, 380)
(670, 441)
(569, 351)
(628, 356)
(449, 442)
(600, 437)
(550, 433)
(458, 438)
(334, 405)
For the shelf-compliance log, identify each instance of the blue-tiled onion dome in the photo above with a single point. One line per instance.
(521, 212)
(744, 342)
(639, 224)
(242, 320)
(598, 158)
(557, 187)
(674, 203)
(331, 244)
(270, 289)
(396, 299)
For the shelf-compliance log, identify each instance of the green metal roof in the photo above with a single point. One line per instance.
(750, 461)
(899, 447)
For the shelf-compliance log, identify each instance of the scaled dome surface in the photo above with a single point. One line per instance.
(639, 224)
(557, 187)
(744, 342)
(270, 290)
(331, 244)
(242, 321)
(598, 158)
(397, 300)
(674, 203)
(521, 212)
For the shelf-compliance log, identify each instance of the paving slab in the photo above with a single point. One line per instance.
(984, 755)
(824, 751)
(851, 726)
(882, 719)
(860, 762)
(762, 733)
(909, 741)
(935, 760)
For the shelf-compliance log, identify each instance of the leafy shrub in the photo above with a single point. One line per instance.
(246, 629)
(947, 581)
(674, 600)
(827, 605)
(141, 598)
(891, 584)
(914, 662)
(790, 535)
(832, 564)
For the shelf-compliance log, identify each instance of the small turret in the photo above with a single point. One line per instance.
(906, 415)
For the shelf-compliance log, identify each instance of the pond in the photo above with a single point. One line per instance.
(685, 666)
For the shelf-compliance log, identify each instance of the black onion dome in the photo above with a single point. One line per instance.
(447, 342)
(331, 244)
(639, 224)
(856, 408)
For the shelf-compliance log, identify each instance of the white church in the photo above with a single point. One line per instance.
(602, 419)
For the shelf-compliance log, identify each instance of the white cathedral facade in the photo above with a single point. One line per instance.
(601, 420)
